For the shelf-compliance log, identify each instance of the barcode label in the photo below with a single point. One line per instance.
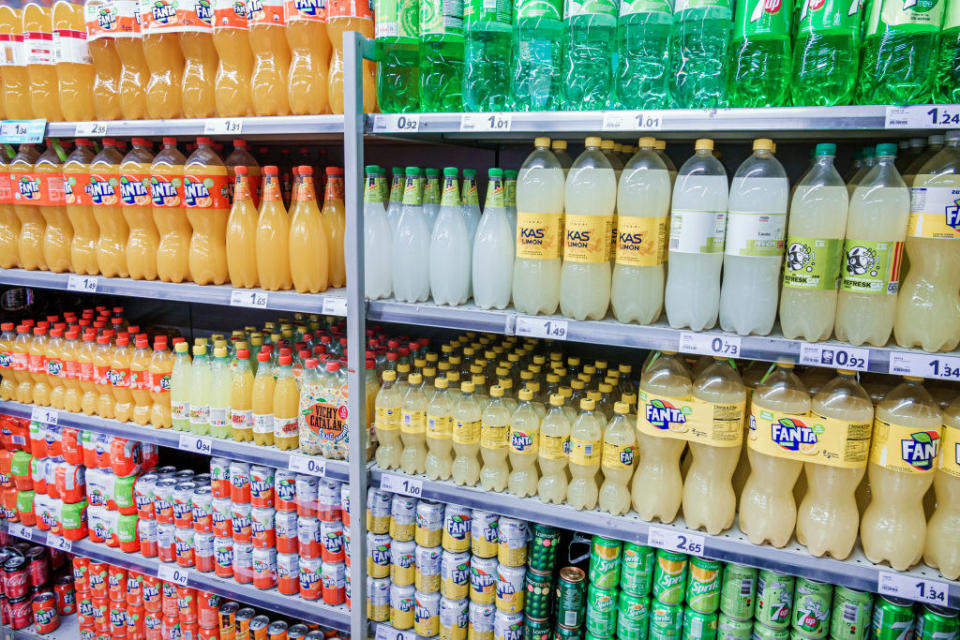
(850, 612)
(570, 618)
(746, 587)
(674, 243)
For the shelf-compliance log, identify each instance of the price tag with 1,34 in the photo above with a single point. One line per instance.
(396, 123)
(172, 573)
(195, 444)
(398, 484)
(249, 299)
(835, 357)
(913, 588)
(533, 327)
(59, 542)
(680, 542)
(83, 284)
(44, 415)
(387, 632)
(486, 122)
(307, 464)
(924, 365)
(710, 344)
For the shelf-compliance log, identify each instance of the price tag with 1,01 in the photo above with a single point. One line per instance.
(924, 365)
(533, 327)
(310, 465)
(83, 284)
(249, 299)
(398, 484)
(387, 632)
(195, 444)
(631, 121)
(836, 357)
(913, 588)
(486, 122)
(710, 344)
(59, 542)
(172, 573)
(396, 122)
(44, 415)
(680, 542)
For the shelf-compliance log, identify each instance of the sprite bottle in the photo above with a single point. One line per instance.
(486, 54)
(538, 49)
(591, 27)
(760, 57)
(643, 77)
(947, 81)
(899, 51)
(826, 53)
(441, 55)
(701, 42)
(398, 39)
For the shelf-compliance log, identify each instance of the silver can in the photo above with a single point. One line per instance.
(512, 549)
(307, 487)
(429, 532)
(402, 606)
(285, 490)
(455, 574)
(483, 580)
(481, 620)
(426, 620)
(510, 590)
(345, 503)
(378, 511)
(507, 626)
(328, 500)
(378, 599)
(484, 535)
(402, 562)
(378, 555)
(403, 517)
(454, 618)
(427, 577)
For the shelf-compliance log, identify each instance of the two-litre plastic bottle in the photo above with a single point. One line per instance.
(397, 31)
(26, 194)
(760, 55)
(335, 225)
(942, 548)
(75, 73)
(487, 59)
(946, 81)
(590, 35)
(41, 56)
(441, 55)
(271, 58)
(309, 261)
(166, 191)
(643, 79)
(207, 207)
(395, 201)
(160, 372)
(241, 234)
(492, 262)
(450, 253)
(411, 244)
(14, 81)
(161, 50)
(826, 53)
(495, 441)
(198, 83)
(387, 422)
(343, 16)
(231, 37)
(107, 209)
(134, 73)
(137, 208)
(57, 232)
(618, 461)
(815, 232)
(701, 52)
(377, 237)
(221, 380)
(307, 82)
(431, 196)
(467, 414)
(9, 223)
(470, 207)
(273, 235)
(241, 398)
(537, 63)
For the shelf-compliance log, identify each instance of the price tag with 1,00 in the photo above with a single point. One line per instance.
(83, 284)
(223, 126)
(710, 344)
(19, 531)
(913, 588)
(533, 327)
(172, 573)
(195, 444)
(91, 129)
(398, 484)
(680, 542)
(334, 306)
(924, 365)
(486, 122)
(396, 122)
(837, 357)
(310, 465)
(386, 632)
(249, 299)
(59, 542)
(44, 415)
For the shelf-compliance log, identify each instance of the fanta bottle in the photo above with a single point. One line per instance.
(309, 264)
(350, 15)
(159, 383)
(26, 200)
(13, 79)
(53, 364)
(273, 236)
(137, 210)
(105, 192)
(271, 58)
(103, 26)
(21, 364)
(161, 24)
(619, 459)
(71, 371)
(310, 56)
(9, 223)
(334, 224)
(207, 206)
(38, 369)
(231, 37)
(942, 548)
(85, 353)
(200, 61)
(134, 71)
(58, 232)
(41, 58)
(119, 376)
(240, 156)
(79, 206)
(166, 191)
(241, 239)
(74, 65)
(102, 358)
(140, 380)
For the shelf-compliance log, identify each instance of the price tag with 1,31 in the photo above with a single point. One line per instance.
(172, 573)
(913, 588)
(195, 444)
(486, 122)
(396, 123)
(307, 464)
(249, 299)
(943, 116)
(83, 284)
(680, 542)
(93, 129)
(59, 542)
(924, 365)
(398, 484)
(44, 415)
(631, 121)
(386, 632)
(334, 306)
(18, 531)
(710, 344)
(835, 357)
(223, 126)
(533, 327)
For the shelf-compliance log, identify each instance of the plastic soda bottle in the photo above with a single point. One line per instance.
(925, 315)
(934, 145)
(538, 57)
(697, 227)
(200, 62)
(413, 426)
(57, 232)
(9, 222)
(166, 192)
(14, 80)
(309, 59)
(524, 443)
(643, 77)
(377, 237)
(119, 378)
(160, 372)
(207, 207)
(941, 549)
(241, 234)
(487, 55)
(411, 244)
(133, 74)
(946, 81)
(903, 459)
(826, 53)
(38, 371)
(618, 461)
(438, 460)
(286, 407)
(105, 192)
(701, 48)
(262, 400)
(387, 423)
(200, 391)
(815, 231)
(760, 54)
(137, 207)
(510, 189)
(756, 223)
(309, 266)
(335, 224)
(590, 196)
(471, 202)
(273, 235)
(554, 448)
(53, 363)
(140, 380)
(586, 449)
(450, 251)
(26, 199)
(643, 202)
(466, 437)
(441, 55)
(75, 73)
(343, 16)
(271, 58)
(221, 381)
(495, 441)
(590, 31)
(41, 57)
(395, 204)
(899, 52)
(231, 37)
(398, 41)
(493, 249)
(160, 27)
(431, 197)
(241, 398)
(873, 251)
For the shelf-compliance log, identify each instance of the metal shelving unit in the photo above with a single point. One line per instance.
(303, 128)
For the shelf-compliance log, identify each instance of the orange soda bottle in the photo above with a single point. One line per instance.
(79, 207)
(242, 233)
(41, 53)
(102, 359)
(166, 191)
(38, 365)
(9, 223)
(309, 262)
(119, 376)
(205, 198)
(231, 37)
(335, 225)
(240, 156)
(134, 71)
(140, 380)
(74, 65)
(14, 81)
(161, 367)
(105, 194)
(102, 26)
(161, 23)
(26, 204)
(271, 58)
(200, 61)
(310, 56)
(71, 371)
(350, 15)
(58, 232)
(137, 210)
(273, 235)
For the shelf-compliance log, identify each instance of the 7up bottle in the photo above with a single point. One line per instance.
(826, 53)
(947, 73)
(398, 73)
(760, 63)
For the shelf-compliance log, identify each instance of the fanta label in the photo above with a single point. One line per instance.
(103, 190)
(934, 212)
(265, 12)
(312, 10)
(229, 14)
(135, 185)
(809, 438)
(713, 423)
(205, 191)
(75, 182)
(905, 449)
(166, 191)
(26, 187)
(950, 451)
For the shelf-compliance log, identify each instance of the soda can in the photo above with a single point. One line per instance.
(402, 604)
(208, 608)
(84, 610)
(428, 576)
(328, 500)
(308, 537)
(669, 577)
(601, 615)
(703, 585)
(258, 628)
(262, 530)
(510, 588)
(152, 600)
(483, 580)
(168, 599)
(542, 551)
(562, 632)
(604, 562)
(143, 492)
(666, 620)
(221, 517)
(332, 541)
(277, 630)
(183, 504)
(66, 595)
(184, 541)
(403, 517)
(429, 531)
(512, 546)
(378, 511)
(456, 528)
(201, 502)
(186, 604)
(311, 582)
(633, 616)
(426, 619)
(482, 617)
(763, 632)
(850, 616)
(239, 482)
(455, 574)
(345, 504)
(774, 599)
(536, 628)
(81, 575)
(244, 625)
(166, 542)
(163, 500)
(203, 552)
(507, 626)
(285, 524)
(378, 555)
(152, 626)
(261, 487)
(220, 477)
(240, 523)
(636, 573)
(307, 487)
(738, 591)
(117, 619)
(811, 608)
(378, 599)
(223, 556)
(484, 534)
(243, 562)
(571, 597)
(892, 618)
(699, 626)
(288, 574)
(730, 628)
(538, 598)
(454, 618)
(45, 616)
(264, 568)
(285, 490)
(116, 583)
(937, 623)
(147, 532)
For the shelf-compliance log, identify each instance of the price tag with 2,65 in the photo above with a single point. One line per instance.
(386, 632)
(678, 541)
(172, 573)
(710, 344)
(533, 327)
(836, 357)
(399, 484)
(913, 588)
(310, 465)
(396, 123)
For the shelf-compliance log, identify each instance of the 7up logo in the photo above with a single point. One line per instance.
(764, 6)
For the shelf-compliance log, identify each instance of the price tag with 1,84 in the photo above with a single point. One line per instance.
(552, 329)
(398, 484)
(387, 632)
(59, 542)
(172, 573)
(680, 542)
(83, 284)
(249, 299)
(913, 588)
(710, 344)
(195, 444)
(310, 465)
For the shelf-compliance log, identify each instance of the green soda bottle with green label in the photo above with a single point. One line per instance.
(760, 62)
(826, 53)
(538, 48)
(441, 55)
(947, 80)
(486, 54)
(701, 44)
(398, 43)
(643, 77)
(590, 33)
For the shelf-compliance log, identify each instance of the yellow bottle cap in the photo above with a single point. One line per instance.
(389, 376)
(496, 391)
(440, 383)
(556, 400)
(526, 395)
(763, 143)
(647, 142)
(587, 404)
(541, 142)
(704, 144)
(621, 407)
(467, 387)
(592, 141)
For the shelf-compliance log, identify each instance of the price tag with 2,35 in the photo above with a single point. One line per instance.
(44, 415)
(924, 365)
(835, 357)
(396, 123)
(59, 542)
(386, 632)
(195, 444)
(710, 344)
(307, 464)
(92, 129)
(913, 588)
(680, 542)
(486, 122)
(18, 531)
(83, 284)
(631, 121)
(223, 126)
(249, 299)
(533, 327)
(172, 573)
(398, 484)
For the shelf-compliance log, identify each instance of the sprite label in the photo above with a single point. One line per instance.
(906, 16)
(871, 267)
(812, 263)
(596, 7)
(762, 17)
(833, 17)
(440, 17)
(546, 9)
(398, 19)
(495, 12)
(680, 6)
(628, 7)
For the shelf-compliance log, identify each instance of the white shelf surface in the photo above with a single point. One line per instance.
(298, 128)
(69, 629)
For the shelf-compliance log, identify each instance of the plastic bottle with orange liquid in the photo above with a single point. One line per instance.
(166, 191)
(54, 365)
(335, 224)
(41, 61)
(102, 25)
(137, 207)
(74, 65)
(71, 371)
(140, 380)
(21, 364)
(13, 65)
(38, 368)
(26, 200)
(205, 201)
(78, 204)
(307, 82)
(160, 371)
(200, 61)
(119, 376)
(9, 223)
(58, 232)
(240, 156)
(271, 58)
(241, 237)
(231, 37)
(273, 235)
(309, 264)
(134, 70)
(350, 15)
(161, 23)
(105, 193)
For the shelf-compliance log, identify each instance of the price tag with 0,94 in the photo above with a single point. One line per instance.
(387, 632)
(195, 444)
(307, 464)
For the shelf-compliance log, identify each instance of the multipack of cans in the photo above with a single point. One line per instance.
(36, 587)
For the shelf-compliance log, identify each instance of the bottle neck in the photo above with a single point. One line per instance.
(271, 188)
(334, 190)
(241, 188)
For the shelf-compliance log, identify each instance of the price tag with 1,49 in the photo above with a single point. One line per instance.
(680, 542)
(533, 327)
(195, 444)
(310, 465)
(913, 588)
(83, 284)
(710, 344)
(836, 357)
(44, 415)
(172, 573)
(399, 484)
(924, 365)
(249, 299)
(59, 542)
(486, 122)
(396, 123)
(386, 632)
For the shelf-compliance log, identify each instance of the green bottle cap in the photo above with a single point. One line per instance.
(495, 173)
(470, 173)
(826, 149)
(433, 173)
(449, 172)
(887, 149)
(511, 174)
(413, 171)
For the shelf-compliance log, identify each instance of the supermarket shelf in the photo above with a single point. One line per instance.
(69, 629)
(337, 617)
(301, 128)
(733, 546)
(331, 302)
(244, 451)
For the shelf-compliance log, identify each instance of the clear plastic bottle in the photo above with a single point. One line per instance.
(487, 55)
(701, 52)
(105, 188)
(180, 387)
(166, 190)
(441, 55)
(495, 441)
(934, 145)
(554, 449)
(431, 196)
(397, 30)
(307, 82)
(590, 37)
(411, 245)
(140, 381)
(466, 437)
(586, 450)
(524, 446)
(618, 461)
(470, 207)
(387, 425)
(143, 241)
(262, 401)
(41, 54)
(413, 426)
(377, 238)
(32, 225)
(760, 54)
(160, 372)
(15, 82)
(309, 262)
(538, 43)
(343, 16)
(438, 461)
(231, 37)
(492, 262)
(450, 251)
(221, 380)
(75, 71)
(200, 380)
(826, 53)
(57, 232)
(286, 407)
(241, 398)
(942, 548)
(643, 78)
(205, 201)
(271, 58)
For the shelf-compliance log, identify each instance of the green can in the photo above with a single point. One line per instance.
(633, 616)
(542, 551)
(892, 618)
(536, 628)
(699, 626)
(605, 562)
(669, 577)
(601, 612)
(561, 632)
(666, 620)
(636, 572)
(774, 599)
(937, 623)
(811, 608)
(538, 601)
(571, 597)
(703, 585)
(850, 615)
(739, 591)
(763, 632)
(733, 629)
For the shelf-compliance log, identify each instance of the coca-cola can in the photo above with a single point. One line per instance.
(203, 551)
(38, 567)
(240, 482)
(202, 504)
(220, 477)
(288, 574)
(20, 612)
(264, 568)
(243, 562)
(285, 523)
(223, 556)
(222, 517)
(16, 583)
(307, 488)
(262, 486)
(285, 490)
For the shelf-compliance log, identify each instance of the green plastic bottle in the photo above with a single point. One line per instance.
(826, 53)
(398, 43)
(441, 55)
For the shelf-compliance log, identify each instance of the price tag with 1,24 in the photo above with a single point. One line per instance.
(913, 588)
(533, 327)
(398, 484)
(172, 573)
(678, 541)
(310, 465)
(943, 116)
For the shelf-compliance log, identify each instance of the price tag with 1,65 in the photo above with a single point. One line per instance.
(172, 573)
(913, 588)
(399, 484)
(486, 122)
(44, 415)
(396, 123)
(678, 541)
(386, 632)
(195, 444)
(248, 298)
(533, 327)
(710, 344)
(835, 357)
(631, 121)
(82, 284)
(310, 465)
(59, 542)
(924, 365)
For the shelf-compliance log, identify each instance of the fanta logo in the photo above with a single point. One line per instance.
(254, 7)
(240, 9)
(6, 360)
(333, 543)
(224, 556)
(194, 193)
(183, 546)
(520, 441)
(85, 608)
(793, 435)
(118, 617)
(920, 450)
(661, 414)
(164, 193)
(106, 18)
(953, 215)
(310, 7)
(203, 10)
(240, 522)
(505, 588)
(286, 490)
(626, 456)
(101, 191)
(260, 487)
(421, 613)
(458, 527)
(150, 592)
(29, 187)
(308, 580)
(380, 555)
(480, 579)
(460, 574)
(578, 239)
(164, 12)
(132, 191)
(152, 622)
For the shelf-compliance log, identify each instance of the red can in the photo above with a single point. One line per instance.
(170, 627)
(152, 600)
(134, 589)
(118, 619)
(16, 584)
(66, 595)
(223, 557)
(189, 630)
(101, 615)
(208, 633)
(135, 622)
(186, 604)
(152, 626)
(203, 551)
(45, 615)
(208, 608)
(126, 457)
(168, 594)
(38, 567)
(117, 584)
(20, 612)
(285, 525)
(288, 574)
(97, 573)
(71, 445)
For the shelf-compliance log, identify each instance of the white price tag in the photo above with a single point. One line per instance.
(913, 588)
(59, 542)
(92, 129)
(534, 327)
(688, 543)
(924, 365)
(196, 444)
(18, 531)
(386, 632)
(836, 357)
(83, 284)
(44, 415)
(399, 484)
(334, 306)
(632, 121)
(396, 122)
(710, 344)
(943, 116)
(173, 573)
(222, 126)
(486, 122)
(248, 298)
(308, 464)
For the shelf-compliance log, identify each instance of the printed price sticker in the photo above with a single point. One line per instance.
(249, 299)
(912, 588)
(18, 531)
(386, 632)
(308, 464)
(836, 357)
(91, 129)
(44, 415)
(399, 484)
(22, 131)
(83, 284)
(396, 123)
(552, 329)
(59, 542)
(223, 126)
(334, 306)
(486, 122)
(924, 365)
(174, 574)
(690, 544)
(196, 444)
(632, 121)
(710, 344)
(946, 116)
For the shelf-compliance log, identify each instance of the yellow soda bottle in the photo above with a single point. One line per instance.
(205, 200)
(103, 26)
(271, 58)
(161, 383)
(262, 401)
(79, 207)
(57, 232)
(335, 223)
(310, 56)
(105, 192)
(41, 54)
(137, 210)
(286, 406)
(309, 263)
(161, 23)
(273, 235)
(231, 37)
(14, 80)
(26, 204)
(242, 234)
(74, 66)
(241, 398)
(134, 71)
(9, 223)
(342, 16)
(200, 62)
(166, 191)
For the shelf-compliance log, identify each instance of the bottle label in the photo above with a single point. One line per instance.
(135, 185)
(470, 195)
(103, 189)
(21, 362)
(55, 367)
(271, 189)
(12, 52)
(6, 360)
(268, 12)
(179, 410)
(587, 238)
(166, 191)
(871, 267)
(306, 10)
(138, 380)
(587, 7)
(554, 447)
(682, 5)
(218, 417)
(37, 365)
(585, 452)
(762, 17)
(905, 16)
(628, 7)
(466, 432)
(387, 418)
(809, 438)
(229, 14)
(697, 231)
(713, 423)
(70, 46)
(6, 187)
(618, 456)
(35, 188)
(161, 16)
(538, 235)
(441, 17)
(200, 414)
(414, 422)
(494, 436)
(934, 212)
(904, 449)
(524, 442)
(496, 13)
(39, 47)
(87, 371)
(950, 451)
(755, 235)
(439, 427)
(160, 382)
(263, 423)
(285, 427)
(350, 9)
(206, 190)
(75, 182)
(241, 419)
(546, 9)
(833, 17)
(812, 263)
(412, 193)
(52, 186)
(641, 242)
(371, 192)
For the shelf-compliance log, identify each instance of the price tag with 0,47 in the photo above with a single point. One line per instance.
(172, 573)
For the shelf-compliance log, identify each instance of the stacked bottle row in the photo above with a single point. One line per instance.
(36, 587)
(536, 56)
(112, 60)
(170, 217)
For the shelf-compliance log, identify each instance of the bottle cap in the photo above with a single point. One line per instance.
(431, 172)
(647, 141)
(169, 140)
(495, 173)
(526, 394)
(469, 173)
(592, 141)
(496, 391)
(587, 404)
(203, 140)
(263, 356)
(826, 149)
(450, 172)
(703, 144)
(467, 387)
(440, 383)
(559, 144)
(621, 407)
(220, 352)
(311, 363)
(556, 400)
(389, 376)
(887, 149)
(181, 347)
(413, 171)
(240, 170)
(542, 142)
(333, 366)
(284, 361)
(305, 170)
(763, 143)
(243, 354)
(415, 378)
(606, 144)
(270, 170)
(478, 379)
